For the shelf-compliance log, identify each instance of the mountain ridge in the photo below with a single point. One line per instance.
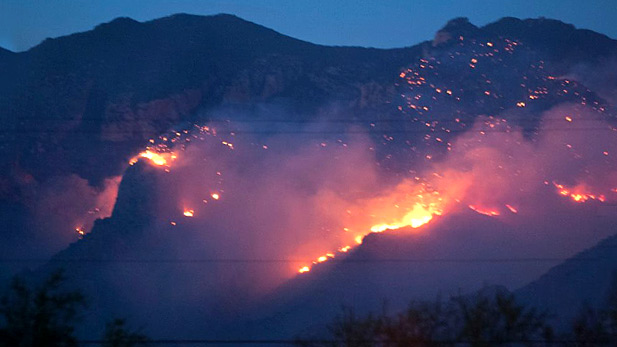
(584, 278)
(85, 103)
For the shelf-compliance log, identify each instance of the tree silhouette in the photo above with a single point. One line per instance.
(593, 327)
(40, 317)
(477, 320)
(483, 320)
(117, 335)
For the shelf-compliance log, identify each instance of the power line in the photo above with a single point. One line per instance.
(322, 132)
(295, 342)
(330, 260)
(312, 120)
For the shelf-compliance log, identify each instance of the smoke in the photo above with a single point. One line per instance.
(283, 201)
(598, 77)
(65, 206)
(238, 214)
(500, 165)
(266, 207)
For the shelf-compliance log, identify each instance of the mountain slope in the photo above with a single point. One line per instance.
(584, 278)
(124, 82)
(85, 103)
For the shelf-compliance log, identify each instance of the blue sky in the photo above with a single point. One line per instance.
(385, 23)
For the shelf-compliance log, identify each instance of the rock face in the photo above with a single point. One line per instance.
(108, 90)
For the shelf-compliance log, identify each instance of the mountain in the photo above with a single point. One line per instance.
(4, 53)
(107, 91)
(129, 265)
(83, 104)
(586, 278)
(80, 106)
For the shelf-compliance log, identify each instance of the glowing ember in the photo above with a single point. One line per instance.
(579, 193)
(157, 159)
(484, 211)
(189, 213)
(80, 231)
(215, 196)
(512, 209)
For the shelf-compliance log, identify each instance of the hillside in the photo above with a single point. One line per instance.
(77, 108)
(586, 278)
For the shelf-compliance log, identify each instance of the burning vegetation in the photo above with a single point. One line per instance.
(462, 142)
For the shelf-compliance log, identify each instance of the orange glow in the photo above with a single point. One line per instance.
(512, 209)
(484, 211)
(416, 218)
(579, 193)
(424, 205)
(568, 118)
(215, 196)
(304, 269)
(157, 159)
(189, 213)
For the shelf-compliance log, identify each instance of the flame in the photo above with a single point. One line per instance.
(189, 213)
(484, 211)
(579, 193)
(215, 196)
(80, 231)
(425, 205)
(416, 218)
(155, 158)
(512, 208)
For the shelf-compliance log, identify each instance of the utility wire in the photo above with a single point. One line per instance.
(330, 260)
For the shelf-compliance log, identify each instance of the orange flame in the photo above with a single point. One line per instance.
(157, 159)
(425, 206)
(484, 211)
(579, 193)
(416, 218)
(189, 213)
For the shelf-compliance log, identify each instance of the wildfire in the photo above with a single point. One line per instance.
(485, 211)
(80, 231)
(421, 213)
(189, 213)
(215, 196)
(578, 193)
(512, 208)
(416, 218)
(157, 159)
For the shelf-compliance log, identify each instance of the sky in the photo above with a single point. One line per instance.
(378, 23)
